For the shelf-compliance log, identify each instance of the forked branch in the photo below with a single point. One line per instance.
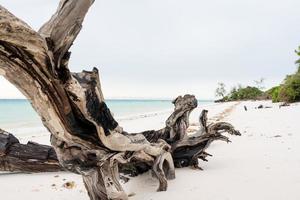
(86, 138)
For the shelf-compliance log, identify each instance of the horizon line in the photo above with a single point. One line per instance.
(123, 98)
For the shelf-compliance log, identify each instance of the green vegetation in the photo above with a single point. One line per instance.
(273, 93)
(244, 93)
(289, 90)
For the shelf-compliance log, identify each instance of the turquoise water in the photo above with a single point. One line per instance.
(17, 113)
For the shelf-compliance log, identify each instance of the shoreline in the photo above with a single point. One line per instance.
(266, 152)
(35, 129)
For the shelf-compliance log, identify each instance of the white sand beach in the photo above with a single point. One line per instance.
(263, 163)
(90, 73)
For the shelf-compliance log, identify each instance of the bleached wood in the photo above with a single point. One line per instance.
(85, 136)
(71, 105)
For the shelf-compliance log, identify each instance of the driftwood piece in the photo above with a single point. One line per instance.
(186, 149)
(186, 152)
(85, 136)
(203, 121)
(31, 157)
(284, 104)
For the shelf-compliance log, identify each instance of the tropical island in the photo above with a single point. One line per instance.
(288, 91)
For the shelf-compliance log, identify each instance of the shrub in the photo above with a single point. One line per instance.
(290, 89)
(245, 93)
(273, 93)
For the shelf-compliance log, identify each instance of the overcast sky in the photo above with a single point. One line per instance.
(163, 48)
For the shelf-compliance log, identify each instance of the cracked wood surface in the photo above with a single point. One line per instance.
(85, 136)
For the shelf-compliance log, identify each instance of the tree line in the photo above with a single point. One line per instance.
(287, 91)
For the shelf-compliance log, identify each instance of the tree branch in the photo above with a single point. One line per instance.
(63, 27)
(83, 132)
(86, 138)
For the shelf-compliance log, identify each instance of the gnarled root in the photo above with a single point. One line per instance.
(164, 170)
(102, 183)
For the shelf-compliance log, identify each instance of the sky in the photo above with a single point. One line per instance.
(166, 48)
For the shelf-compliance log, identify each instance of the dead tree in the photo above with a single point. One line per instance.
(31, 157)
(84, 134)
(186, 150)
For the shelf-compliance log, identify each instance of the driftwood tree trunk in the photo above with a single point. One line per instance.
(185, 151)
(31, 157)
(86, 138)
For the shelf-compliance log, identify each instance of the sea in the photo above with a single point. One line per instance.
(18, 116)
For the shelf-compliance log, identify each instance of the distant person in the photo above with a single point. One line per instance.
(245, 107)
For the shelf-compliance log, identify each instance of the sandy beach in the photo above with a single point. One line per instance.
(124, 87)
(263, 163)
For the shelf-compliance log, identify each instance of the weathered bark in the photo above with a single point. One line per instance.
(86, 138)
(31, 157)
(203, 121)
(84, 134)
(186, 149)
